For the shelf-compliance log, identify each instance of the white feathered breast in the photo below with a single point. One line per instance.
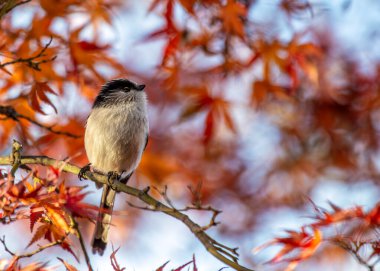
(115, 136)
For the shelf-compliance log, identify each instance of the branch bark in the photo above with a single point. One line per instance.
(221, 252)
(10, 113)
(32, 253)
(32, 61)
(9, 5)
(82, 244)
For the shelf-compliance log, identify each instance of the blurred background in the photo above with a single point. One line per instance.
(267, 104)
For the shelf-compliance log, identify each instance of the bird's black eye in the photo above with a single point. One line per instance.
(126, 89)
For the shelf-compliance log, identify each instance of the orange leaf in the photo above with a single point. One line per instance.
(191, 110)
(38, 95)
(338, 215)
(209, 126)
(68, 266)
(36, 214)
(72, 197)
(259, 92)
(231, 15)
(303, 242)
(67, 246)
(188, 5)
(91, 46)
(39, 234)
(182, 266)
(58, 218)
(224, 107)
(161, 268)
(373, 216)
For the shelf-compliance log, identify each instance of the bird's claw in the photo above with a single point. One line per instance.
(112, 177)
(83, 170)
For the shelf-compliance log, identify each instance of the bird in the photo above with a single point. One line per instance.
(116, 136)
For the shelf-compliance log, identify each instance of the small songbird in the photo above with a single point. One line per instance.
(116, 136)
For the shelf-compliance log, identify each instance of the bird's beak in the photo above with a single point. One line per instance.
(140, 87)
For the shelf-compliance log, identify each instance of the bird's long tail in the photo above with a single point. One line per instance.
(103, 222)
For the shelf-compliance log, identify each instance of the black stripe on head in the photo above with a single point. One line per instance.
(113, 86)
(118, 84)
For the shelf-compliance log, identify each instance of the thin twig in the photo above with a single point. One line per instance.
(361, 260)
(145, 208)
(214, 211)
(8, 6)
(30, 254)
(196, 193)
(213, 247)
(83, 246)
(30, 61)
(197, 207)
(11, 113)
(164, 194)
(2, 240)
(15, 157)
(21, 3)
(354, 251)
(41, 248)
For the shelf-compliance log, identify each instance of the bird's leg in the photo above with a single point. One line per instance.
(112, 177)
(83, 171)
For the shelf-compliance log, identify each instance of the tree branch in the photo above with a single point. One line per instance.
(221, 252)
(30, 254)
(353, 249)
(31, 61)
(2, 240)
(83, 246)
(9, 5)
(197, 206)
(39, 249)
(15, 157)
(11, 113)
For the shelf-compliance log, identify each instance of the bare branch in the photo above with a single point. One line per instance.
(214, 211)
(30, 254)
(83, 246)
(9, 5)
(164, 194)
(197, 205)
(11, 113)
(196, 193)
(221, 252)
(353, 249)
(41, 248)
(15, 157)
(32, 61)
(2, 240)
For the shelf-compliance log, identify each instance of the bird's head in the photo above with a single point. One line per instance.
(119, 91)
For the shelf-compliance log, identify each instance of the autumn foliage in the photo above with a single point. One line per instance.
(251, 115)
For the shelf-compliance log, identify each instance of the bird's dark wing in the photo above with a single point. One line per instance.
(146, 141)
